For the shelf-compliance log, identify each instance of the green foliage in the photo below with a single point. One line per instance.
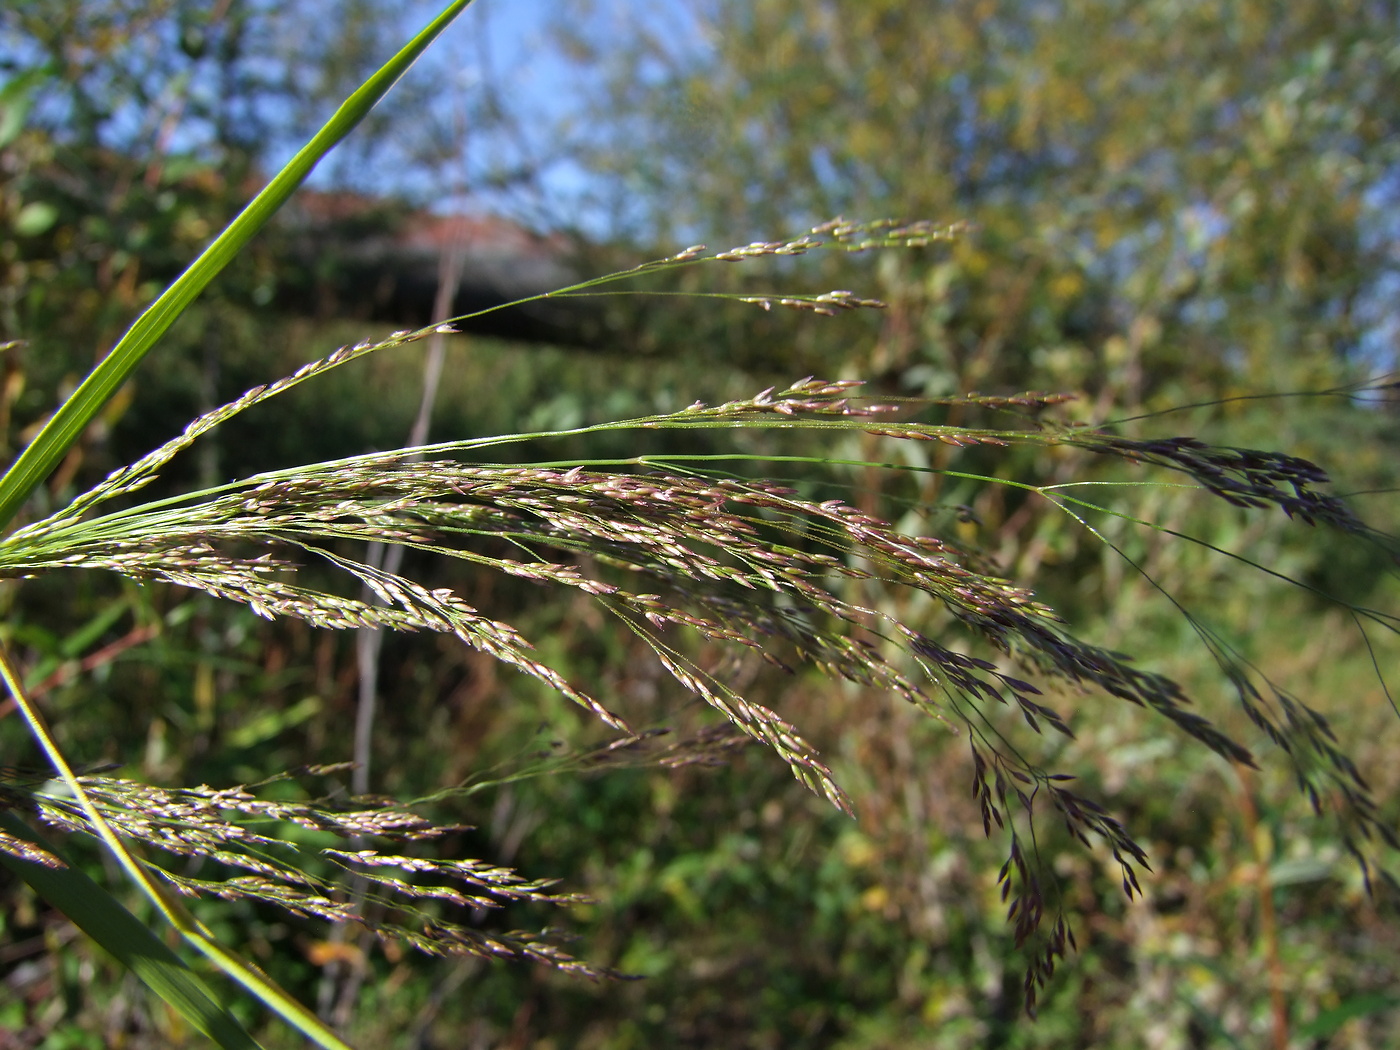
(1169, 204)
(870, 546)
(112, 926)
(61, 432)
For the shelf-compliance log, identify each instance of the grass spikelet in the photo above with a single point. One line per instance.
(691, 559)
(233, 829)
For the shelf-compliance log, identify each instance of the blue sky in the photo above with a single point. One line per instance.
(511, 46)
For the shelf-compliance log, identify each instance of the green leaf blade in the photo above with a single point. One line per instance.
(63, 429)
(103, 918)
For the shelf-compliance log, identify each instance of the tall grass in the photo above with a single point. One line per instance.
(693, 554)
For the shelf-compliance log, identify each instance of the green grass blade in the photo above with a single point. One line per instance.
(62, 430)
(103, 918)
(250, 977)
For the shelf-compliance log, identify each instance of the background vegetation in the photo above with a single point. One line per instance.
(1171, 207)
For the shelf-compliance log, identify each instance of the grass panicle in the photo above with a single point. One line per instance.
(235, 830)
(691, 557)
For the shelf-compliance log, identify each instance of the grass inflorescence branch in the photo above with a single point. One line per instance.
(690, 560)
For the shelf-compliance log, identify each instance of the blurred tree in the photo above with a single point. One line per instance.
(1159, 219)
(1172, 204)
(132, 131)
(1165, 195)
